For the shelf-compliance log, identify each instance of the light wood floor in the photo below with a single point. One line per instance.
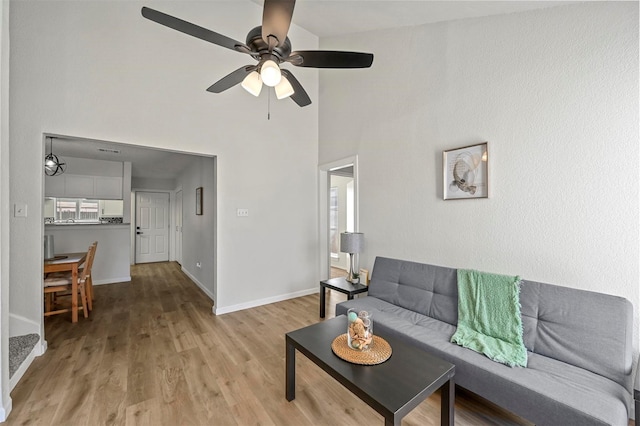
(152, 353)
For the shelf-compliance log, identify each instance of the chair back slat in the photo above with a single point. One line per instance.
(88, 264)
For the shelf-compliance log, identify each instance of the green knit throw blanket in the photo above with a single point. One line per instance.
(489, 316)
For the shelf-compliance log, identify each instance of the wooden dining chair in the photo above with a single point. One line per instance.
(58, 283)
(88, 280)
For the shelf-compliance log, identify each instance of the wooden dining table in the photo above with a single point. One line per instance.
(68, 262)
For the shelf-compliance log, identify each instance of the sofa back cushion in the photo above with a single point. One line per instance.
(590, 330)
(427, 289)
(586, 329)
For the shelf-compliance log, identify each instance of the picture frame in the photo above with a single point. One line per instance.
(364, 276)
(199, 201)
(465, 172)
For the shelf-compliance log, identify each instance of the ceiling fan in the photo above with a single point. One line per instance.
(269, 45)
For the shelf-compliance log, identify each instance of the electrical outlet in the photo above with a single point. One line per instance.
(198, 265)
(243, 212)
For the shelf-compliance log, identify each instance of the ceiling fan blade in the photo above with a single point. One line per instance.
(276, 20)
(194, 30)
(299, 95)
(330, 59)
(232, 79)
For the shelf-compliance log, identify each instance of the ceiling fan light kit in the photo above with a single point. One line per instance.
(284, 89)
(270, 73)
(252, 83)
(269, 45)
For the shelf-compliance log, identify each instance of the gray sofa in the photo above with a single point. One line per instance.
(579, 343)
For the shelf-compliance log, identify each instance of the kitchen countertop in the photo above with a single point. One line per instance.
(92, 225)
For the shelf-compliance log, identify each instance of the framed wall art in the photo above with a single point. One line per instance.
(199, 200)
(465, 172)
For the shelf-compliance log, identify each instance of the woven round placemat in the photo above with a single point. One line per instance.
(378, 352)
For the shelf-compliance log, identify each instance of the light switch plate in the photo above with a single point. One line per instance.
(19, 210)
(243, 212)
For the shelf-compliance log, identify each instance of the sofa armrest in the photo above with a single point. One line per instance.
(636, 394)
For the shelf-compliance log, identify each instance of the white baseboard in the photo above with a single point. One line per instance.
(265, 301)
(20, 326)
(113, 280)
(42, 348)
(5, 409)
(198, 283)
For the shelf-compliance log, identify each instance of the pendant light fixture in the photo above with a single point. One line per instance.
(53, 165)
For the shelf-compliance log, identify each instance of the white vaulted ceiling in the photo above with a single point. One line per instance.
(326, 18)
(322, 18)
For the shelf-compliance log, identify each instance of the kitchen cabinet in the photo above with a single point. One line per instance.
(77, 186)
(54, 186)
(83, 186)
(110, 208)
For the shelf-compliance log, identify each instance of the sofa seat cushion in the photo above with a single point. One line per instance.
(547, 392)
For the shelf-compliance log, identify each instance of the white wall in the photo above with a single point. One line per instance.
(199, 231)
(100, 70)
(91, 167)
(111, 264)
(5, 399)
(153, 183)
(553, 91)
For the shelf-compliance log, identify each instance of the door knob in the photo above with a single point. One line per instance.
(138, 232)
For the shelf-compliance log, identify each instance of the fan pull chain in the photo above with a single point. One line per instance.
(268, 104)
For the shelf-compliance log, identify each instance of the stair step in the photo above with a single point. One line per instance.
(19, 348)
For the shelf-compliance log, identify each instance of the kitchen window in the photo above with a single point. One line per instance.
(76, 210)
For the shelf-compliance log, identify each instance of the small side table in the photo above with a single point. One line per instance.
(343, 286)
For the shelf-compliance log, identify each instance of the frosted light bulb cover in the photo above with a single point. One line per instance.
(252, 83)
(270, 73)
(284, 89)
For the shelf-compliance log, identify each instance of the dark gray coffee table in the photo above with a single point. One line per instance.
(392, 388)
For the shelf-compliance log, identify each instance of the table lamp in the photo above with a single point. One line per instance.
(352, 243)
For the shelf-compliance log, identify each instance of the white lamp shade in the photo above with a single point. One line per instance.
(252, 83)
(284, 89)
(351, 242)
(270, 73)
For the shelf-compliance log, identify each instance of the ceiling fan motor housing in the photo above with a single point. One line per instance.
(256, 43)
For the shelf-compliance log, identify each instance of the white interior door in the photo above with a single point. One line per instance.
(179, 227)
(152, 227)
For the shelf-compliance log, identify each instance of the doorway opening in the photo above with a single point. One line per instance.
(144, 170)
(338, 213)
(178, 231)
(341, 216)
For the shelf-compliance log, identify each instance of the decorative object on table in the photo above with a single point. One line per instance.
(53, 165)
(359, 330)
(352, 243)
(199, 201)
(465, 172)
(364, 276)
(378, 352)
